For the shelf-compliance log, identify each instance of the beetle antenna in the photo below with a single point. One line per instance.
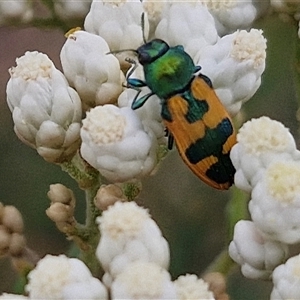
(133, 68)
(143, 27)
(120, 51)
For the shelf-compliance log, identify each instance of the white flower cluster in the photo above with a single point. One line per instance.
(120, 143)
(267, 166)
(60, 277)
(135, 257)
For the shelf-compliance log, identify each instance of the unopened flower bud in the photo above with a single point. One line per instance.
(12, 219)
(118, 22)
(17, 244)
(217, 284)
(94, 73)
(59, 212)
(108, 195)
(46, 111)
(59, 193)
(4, 240)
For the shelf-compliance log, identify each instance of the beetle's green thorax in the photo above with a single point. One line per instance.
(168, 70)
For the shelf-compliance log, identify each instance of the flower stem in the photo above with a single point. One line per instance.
(236, 210)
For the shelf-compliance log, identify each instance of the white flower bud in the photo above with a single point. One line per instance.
(143, 280)
(13, 10)
(46, 111)
(190, 286)
(260, 141)
(275, 202)
(230, 15)
(150, 112)
(286, 280)
(118, 22)
(128, 234)
(60, 277)
(235, 65)
(94, 73)
(69, 9)
(115, 143)
(194, 34)
(257, 255)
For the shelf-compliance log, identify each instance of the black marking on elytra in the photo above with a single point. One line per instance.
(211, 143)
(222, 171)
(165, 112)
(197, 108)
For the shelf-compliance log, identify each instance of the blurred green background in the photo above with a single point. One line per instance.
(190, 214)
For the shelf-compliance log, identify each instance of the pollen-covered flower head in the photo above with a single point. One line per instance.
(128, 234)
(115, 143)
(60, 277)
(46, 111)
(230, 15)
(235, 65)
(143, 280)
(286, 280)
(189, 286)
(275, 201)
(94, 73)
(259, 142)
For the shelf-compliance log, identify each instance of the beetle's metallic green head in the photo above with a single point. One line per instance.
(152, 50)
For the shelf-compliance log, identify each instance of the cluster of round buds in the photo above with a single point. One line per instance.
(267, 166)
(61, 210)
(12, 240)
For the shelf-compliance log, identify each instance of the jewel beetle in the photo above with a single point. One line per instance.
(192, 112)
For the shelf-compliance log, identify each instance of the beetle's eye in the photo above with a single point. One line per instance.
(144, 57)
